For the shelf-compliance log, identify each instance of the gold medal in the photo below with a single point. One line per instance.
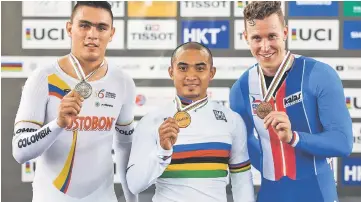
(183, 119)
(264, 109)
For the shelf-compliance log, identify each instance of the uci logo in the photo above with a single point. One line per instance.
(308, 34)
(41, 34)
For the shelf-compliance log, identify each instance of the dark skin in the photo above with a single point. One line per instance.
(191, 72)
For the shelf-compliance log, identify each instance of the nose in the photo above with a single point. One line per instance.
(93, 33)
(265, 45)
(191, 74)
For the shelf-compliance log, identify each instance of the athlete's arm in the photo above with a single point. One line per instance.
(237, 104)
(123, 138)
(31, 138)
(148, 159)
(336, 139)
(239, 164)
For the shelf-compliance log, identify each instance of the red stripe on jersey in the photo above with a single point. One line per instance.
(276, 151)
(288, 150)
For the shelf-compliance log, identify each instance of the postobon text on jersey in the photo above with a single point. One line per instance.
(91, 123)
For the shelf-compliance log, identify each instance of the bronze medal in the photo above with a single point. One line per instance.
(264, 109)
(183, 119)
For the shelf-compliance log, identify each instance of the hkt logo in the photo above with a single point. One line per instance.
(351, 171)
(319, 34)
(213, 34)
(40, 34)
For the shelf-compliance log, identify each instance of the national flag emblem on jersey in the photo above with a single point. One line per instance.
(254, 104)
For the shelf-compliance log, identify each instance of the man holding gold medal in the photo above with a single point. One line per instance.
(189, 146)
(69, 112)
(297, 107)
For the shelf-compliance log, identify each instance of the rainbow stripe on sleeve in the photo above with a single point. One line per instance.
(240, 167)
(200, 160)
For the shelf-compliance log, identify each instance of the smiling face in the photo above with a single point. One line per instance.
(91, 30)
(266, 39)
(191, 72)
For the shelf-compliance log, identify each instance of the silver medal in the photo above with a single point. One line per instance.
(84, 89)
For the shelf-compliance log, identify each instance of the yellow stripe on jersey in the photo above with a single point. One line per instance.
(124, 124)
(197, 166)
(31, 121)
(63, 180)
(58, 82)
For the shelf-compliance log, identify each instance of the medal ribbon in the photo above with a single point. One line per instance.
(194, 105)
(268, 93)
(79, 70)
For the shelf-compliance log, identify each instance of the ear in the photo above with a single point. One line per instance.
(112, 34)
(170, 72)
(285, 33)
(213, 72)
(68, 28)
(245, 36)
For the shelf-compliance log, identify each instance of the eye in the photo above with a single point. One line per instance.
(256, 38)
(272, 37)
(83, 25)
(183, 68)
(200, 68)
(102, 28)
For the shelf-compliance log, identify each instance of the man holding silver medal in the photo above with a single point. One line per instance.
(187, 147)
(70, 111)
(297, 107)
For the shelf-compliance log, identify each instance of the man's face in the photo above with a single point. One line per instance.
(266, 39)
(191, 72)
(90, 32)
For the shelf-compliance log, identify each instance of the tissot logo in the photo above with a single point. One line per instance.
(356, 130)
(205, 4)
(45, 34)
(46, 8)
(152, 34)
(313, 35)
(205, 9)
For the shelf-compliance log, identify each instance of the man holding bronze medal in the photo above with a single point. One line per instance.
(189, 146)
(70, 111)
(297, 107)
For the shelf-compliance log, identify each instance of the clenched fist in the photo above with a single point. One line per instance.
(168, 133)
(69, 108)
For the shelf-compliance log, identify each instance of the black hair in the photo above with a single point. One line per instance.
(192, 46)
(95, 4)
